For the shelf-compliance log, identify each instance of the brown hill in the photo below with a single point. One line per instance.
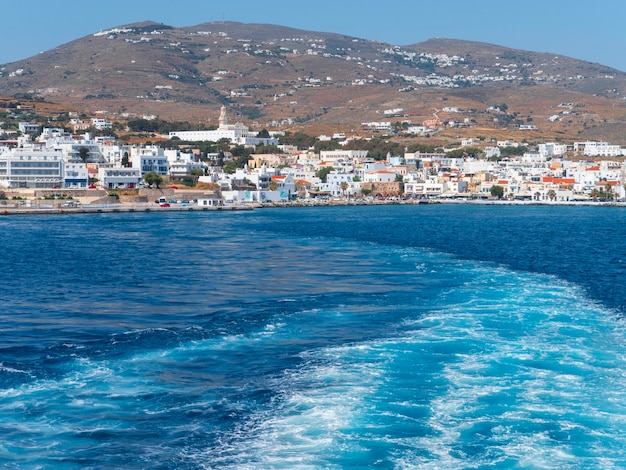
(277, 76)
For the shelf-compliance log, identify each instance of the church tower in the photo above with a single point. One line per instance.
(223, 122)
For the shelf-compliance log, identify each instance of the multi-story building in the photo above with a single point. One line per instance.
(31, 168)
(184, 167)
(100, 123)
(84, 149)
(28, 128)
(114, 177)
(150, 158)
(75, 175)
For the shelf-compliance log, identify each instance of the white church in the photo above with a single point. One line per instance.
(238, 134)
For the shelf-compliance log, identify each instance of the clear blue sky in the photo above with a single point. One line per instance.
(582, 29)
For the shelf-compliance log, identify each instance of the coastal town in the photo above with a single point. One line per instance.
(47, 167)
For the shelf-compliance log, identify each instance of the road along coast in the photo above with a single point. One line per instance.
(8, 209)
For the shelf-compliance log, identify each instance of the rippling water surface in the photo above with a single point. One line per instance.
(348, 337)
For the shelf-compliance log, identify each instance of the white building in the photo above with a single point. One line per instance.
(148, 159)
(602, 149)
(285, 184)
(416, 130)
(492, 152)
(334, 181)
(424, 189)
(379, 176)
(28, 128)
(75, 175)
(377, 126)
(234, 197)
(113, 154)
(259, 177)
(551, 148)
(75, 149)
(100, 124)
(350, 156)
(118, 177)
(238, 134)
(185, 167)
(210, 201)
(31, 168)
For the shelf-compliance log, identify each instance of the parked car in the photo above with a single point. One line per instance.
(165, 204)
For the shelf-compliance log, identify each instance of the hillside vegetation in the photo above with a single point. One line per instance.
(277, 77)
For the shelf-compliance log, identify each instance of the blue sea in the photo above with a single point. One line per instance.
(395, 337)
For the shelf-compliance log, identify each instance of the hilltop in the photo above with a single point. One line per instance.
(270, 75)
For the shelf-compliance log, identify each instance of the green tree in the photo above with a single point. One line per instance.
(595, 194)
(229, 167)
(413, 148)
(472, 152)
(267, 149)
(343, 187)
(377, 147)
(241, 152)
(520, 150)
(189, 180)
(326, 145)
(497, 191)
(125, 160)
(83, 153)
(223, 145)
(299, 139)
(322, 173)
(152, 178)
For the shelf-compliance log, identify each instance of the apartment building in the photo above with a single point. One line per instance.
(31, 169)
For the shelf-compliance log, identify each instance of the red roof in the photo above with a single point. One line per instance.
(555, 180)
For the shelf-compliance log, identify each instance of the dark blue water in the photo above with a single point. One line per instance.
(350, 337)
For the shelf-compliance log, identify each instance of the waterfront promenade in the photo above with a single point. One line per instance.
(109, 208)
(11, 208)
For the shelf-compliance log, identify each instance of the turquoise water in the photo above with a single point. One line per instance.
(348, 337)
